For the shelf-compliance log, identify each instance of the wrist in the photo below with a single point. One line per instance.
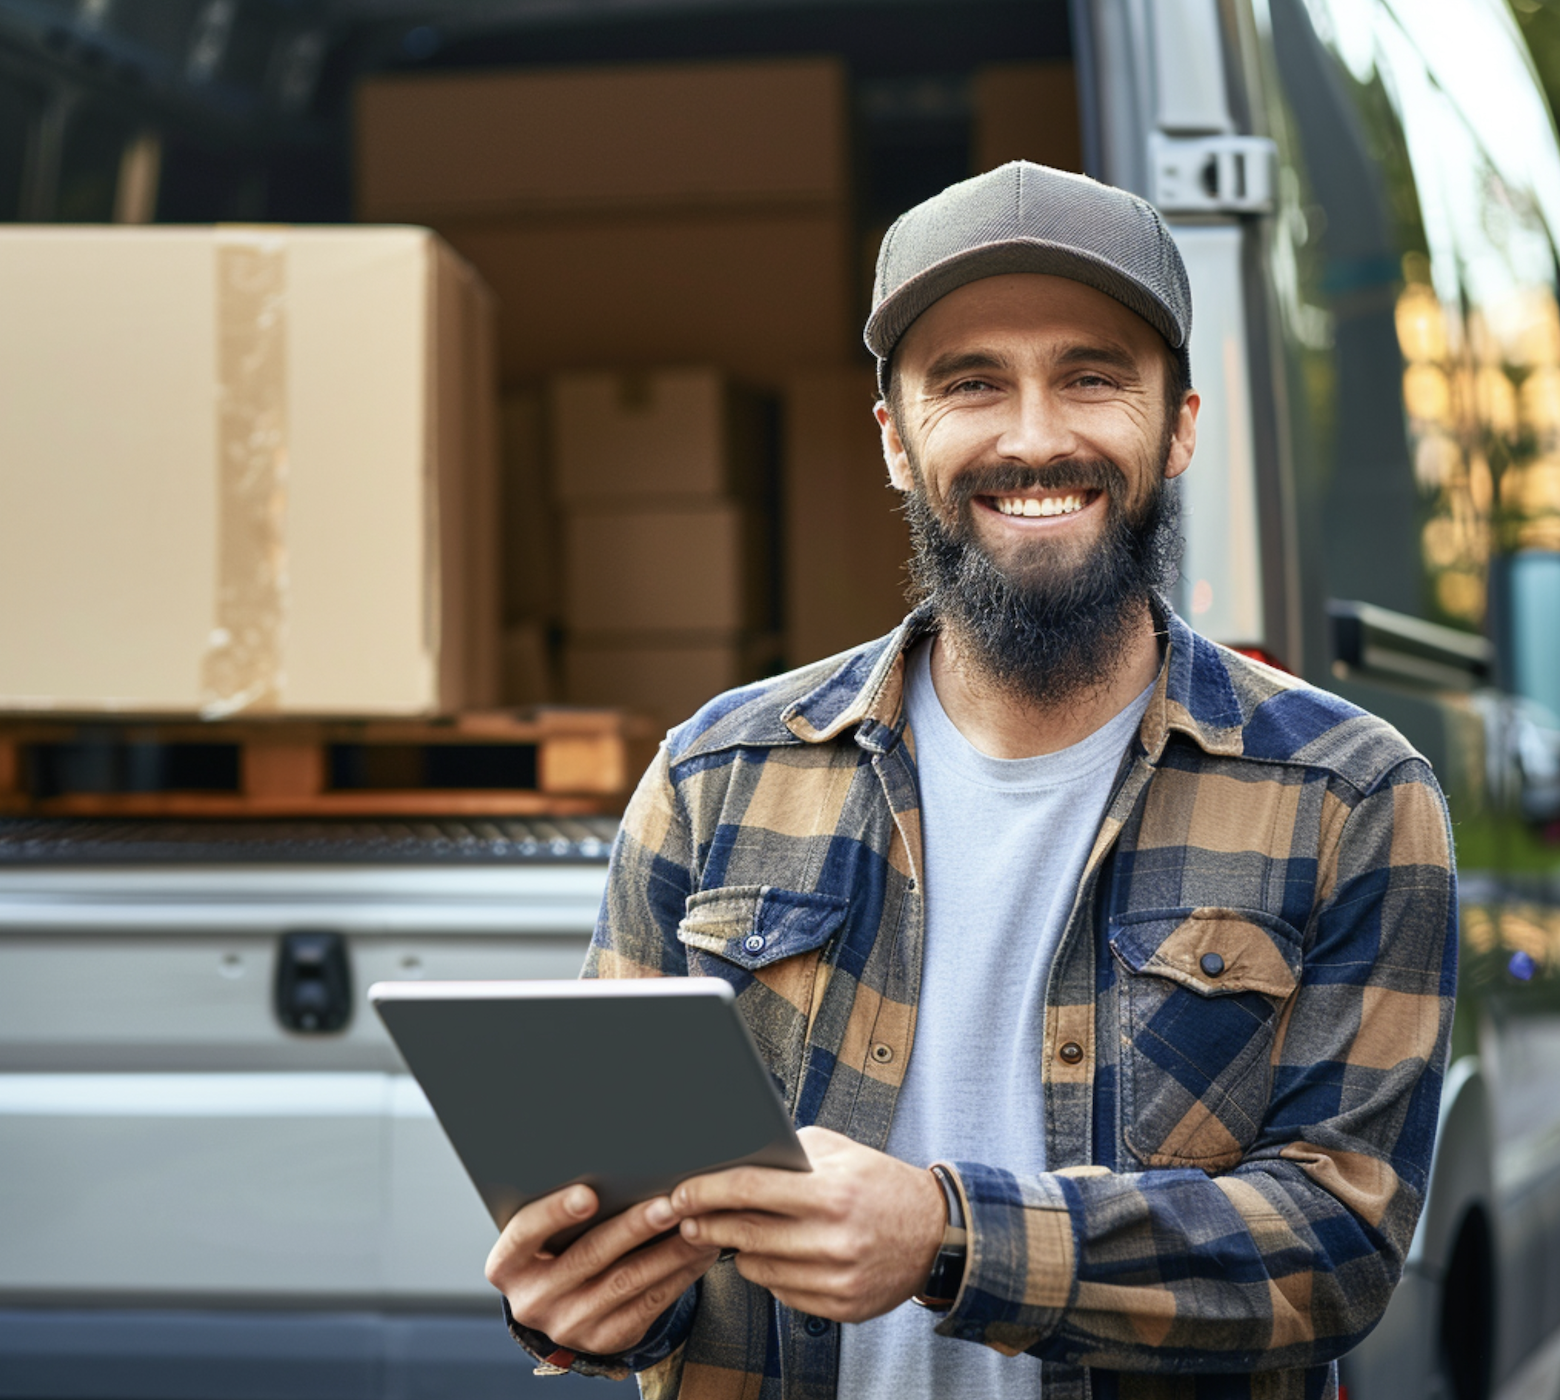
(946, 1275)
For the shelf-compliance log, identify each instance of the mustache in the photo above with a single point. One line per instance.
(1008, 478)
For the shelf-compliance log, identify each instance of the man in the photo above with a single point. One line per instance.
(1108, 973)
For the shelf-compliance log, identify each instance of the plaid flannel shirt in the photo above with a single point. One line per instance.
(1237, 1156)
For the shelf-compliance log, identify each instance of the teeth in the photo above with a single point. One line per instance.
(1031, 505)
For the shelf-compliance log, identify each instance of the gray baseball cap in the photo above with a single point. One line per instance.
(1023, 217)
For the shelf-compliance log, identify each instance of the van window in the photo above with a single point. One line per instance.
(17, 113)
(1416, 282)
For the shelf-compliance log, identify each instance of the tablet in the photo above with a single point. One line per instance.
(627, 1085)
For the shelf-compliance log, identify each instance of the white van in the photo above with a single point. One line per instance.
(198, 1198)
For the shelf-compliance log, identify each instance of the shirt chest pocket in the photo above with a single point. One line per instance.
(1200, 993)
(768, 943)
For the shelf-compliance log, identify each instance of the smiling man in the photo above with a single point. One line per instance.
(1107, 973)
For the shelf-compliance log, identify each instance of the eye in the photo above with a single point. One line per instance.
(971, 386)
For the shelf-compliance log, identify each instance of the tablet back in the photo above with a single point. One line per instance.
(629, 1086)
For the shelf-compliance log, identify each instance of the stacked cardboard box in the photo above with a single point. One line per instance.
(246, 471)
(636, 216)
(846, 542)
(1026, 111)
(531, 556)
(662, 482)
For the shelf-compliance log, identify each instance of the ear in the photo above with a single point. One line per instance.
(894, 450)
(1183, 441)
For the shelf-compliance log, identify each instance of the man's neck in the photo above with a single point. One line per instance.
(1000, 725)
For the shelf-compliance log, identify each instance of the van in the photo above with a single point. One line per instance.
(1367, 197)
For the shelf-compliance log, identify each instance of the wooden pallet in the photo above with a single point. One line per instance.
(551, 763)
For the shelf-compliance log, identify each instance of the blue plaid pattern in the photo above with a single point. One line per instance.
(1240, 1142)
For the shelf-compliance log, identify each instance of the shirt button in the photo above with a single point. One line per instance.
(1071, 1052)
(754, 943)
(816, 1326)
(882, 1053)
(1212, 965)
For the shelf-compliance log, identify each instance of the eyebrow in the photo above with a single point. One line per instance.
(1108, 356)
(957, 362)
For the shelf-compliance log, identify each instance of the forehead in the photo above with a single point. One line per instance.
(1025, 311)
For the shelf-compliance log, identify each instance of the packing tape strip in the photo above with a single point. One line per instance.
(243, 668)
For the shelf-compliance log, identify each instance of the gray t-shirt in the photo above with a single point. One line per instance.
(1005, 841)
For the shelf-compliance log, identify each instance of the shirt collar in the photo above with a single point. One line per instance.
(1193, 694)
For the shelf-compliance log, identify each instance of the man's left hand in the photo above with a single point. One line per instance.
(850, 1240)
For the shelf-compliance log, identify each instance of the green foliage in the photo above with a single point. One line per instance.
(1539, 21)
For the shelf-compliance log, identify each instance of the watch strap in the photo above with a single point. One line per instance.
(947, 1273)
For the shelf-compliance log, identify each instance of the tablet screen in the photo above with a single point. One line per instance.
(629, 1086)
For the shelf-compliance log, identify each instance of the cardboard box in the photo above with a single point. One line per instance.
(757, 295)
(431, 148)
(846, 543)
(246, 471)
(530, 558)
(700, 565)
(1026, 111)
(684, 432)
(527, 671)
(667, 678)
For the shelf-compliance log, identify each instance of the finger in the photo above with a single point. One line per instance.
(627, 1326)
(543, 1300)
(796, 1276)
(599, 1248)
(744, 1188)
(756, 1232)
(642, 1284)
(821, 1142)
(531, 1226)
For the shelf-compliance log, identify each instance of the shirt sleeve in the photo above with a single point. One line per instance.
(648, 882)
(1289, 1258)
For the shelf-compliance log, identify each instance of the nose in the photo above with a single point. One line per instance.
(1037, 431)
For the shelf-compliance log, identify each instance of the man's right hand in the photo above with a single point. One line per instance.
(603, 1292)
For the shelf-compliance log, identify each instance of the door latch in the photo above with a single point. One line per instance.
(313, 982)
(1212, 174)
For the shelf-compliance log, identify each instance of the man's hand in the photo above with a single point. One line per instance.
(850, 1240)
(603, 1292)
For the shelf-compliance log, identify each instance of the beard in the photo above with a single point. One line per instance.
(1050, 625)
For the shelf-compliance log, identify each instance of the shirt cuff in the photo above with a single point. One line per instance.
(1021, 1269)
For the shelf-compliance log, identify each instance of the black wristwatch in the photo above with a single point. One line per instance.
(947, 1275)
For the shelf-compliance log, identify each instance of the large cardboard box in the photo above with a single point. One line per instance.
(758, 294)
(678, 432)
(699, 565)
(846, 542)
(668, 677)
(437, 147)
(245, 471)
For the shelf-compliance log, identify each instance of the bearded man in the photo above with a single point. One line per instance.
(1107, 973)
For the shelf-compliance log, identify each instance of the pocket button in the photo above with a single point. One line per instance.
(754, 942)
(1212, 965)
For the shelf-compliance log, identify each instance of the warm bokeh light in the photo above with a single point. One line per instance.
(1484, 413)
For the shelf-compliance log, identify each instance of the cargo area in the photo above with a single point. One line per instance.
(639, 465)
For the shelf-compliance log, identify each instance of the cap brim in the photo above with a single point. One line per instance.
(896, 313)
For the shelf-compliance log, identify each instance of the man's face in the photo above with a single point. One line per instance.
(1033, 433)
